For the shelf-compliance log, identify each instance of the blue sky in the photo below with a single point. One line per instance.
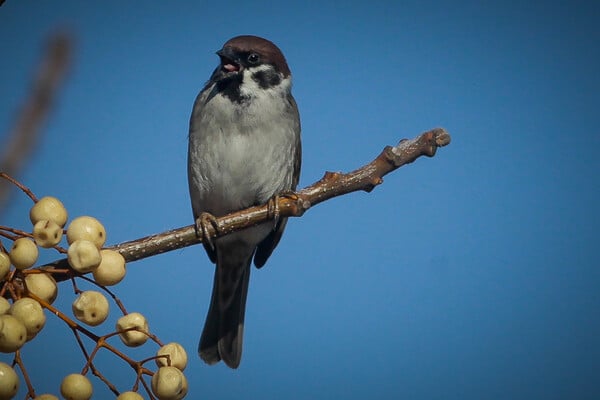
(470, 275)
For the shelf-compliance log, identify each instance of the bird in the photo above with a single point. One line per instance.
(244, 150)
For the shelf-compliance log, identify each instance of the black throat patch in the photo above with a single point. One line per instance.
(230, 88)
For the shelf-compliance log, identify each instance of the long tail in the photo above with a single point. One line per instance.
(223, 331)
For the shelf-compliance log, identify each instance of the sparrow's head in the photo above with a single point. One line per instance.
(249, 67)
(251, 52)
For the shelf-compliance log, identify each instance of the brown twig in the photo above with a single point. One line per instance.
(18, 184)
(332, 184)
(147, 388)
(117, 301)
(17, 232)
(19, 361)
(14, 234)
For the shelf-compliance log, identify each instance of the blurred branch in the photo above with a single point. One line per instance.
(25, 133)
(332, 184)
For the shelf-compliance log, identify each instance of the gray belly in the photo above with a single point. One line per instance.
(235, 171)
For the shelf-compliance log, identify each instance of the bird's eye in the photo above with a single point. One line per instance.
(253, 58)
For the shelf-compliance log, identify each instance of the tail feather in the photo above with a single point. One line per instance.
(223, 331)
(208, 346)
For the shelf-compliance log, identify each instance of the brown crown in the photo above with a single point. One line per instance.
(268, 51)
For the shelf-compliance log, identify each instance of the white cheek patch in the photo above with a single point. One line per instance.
(251, 88)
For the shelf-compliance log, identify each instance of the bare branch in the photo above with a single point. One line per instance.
(25, 133)
(332, 184)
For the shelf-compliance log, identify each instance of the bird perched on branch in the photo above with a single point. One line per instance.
(244, 149)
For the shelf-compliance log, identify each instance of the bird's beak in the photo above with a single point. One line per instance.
(229, 60)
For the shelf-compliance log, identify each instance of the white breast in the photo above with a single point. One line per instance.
(241, 154)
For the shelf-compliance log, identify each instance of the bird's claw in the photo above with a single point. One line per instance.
(202, 231)
(273, 205)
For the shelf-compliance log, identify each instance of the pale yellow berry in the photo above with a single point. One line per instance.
(91, 307)
(12, 334)
(83, 256)
(9, 382)
(46, 396)
(130, 396)
(42, 285)
(176, 353)
(30, 313)
(4, 265)
(48, 208)
(111, 269)
(133, 338)
(169, 383)
(76, 387)
(86, 228)
(47, 233)
(23, 254)
(4, 305)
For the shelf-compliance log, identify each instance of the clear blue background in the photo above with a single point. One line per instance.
(471, 275)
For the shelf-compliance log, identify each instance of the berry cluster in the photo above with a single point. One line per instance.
(32, 291)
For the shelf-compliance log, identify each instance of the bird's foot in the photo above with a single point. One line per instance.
(202, 231)
(273, 204)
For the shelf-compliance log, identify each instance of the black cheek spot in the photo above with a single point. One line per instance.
(266, 79)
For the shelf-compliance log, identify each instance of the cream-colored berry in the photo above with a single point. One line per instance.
(169, 383)
(48, 208)
(130, 396)
(91, 307)
(23, 254)
(111, 269)
(86, 228)
(12, 334)
(176, 353)
(9, 382)
(133, 338)
(4, 305)
(4, 265)
(46, 396)
(30, 313)
(76, 387)
(83, 256)
(42, 285)
(47, 233)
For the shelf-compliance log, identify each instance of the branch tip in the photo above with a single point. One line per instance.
(441, 137)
